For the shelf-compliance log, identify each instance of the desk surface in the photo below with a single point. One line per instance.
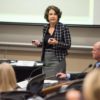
(57, 86)
(52, 88)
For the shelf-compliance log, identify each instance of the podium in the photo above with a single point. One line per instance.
(24, 72)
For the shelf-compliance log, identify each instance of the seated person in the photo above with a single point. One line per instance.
(74, 91)
(8, 85)
(96, 56)
(73, 94)
(91, 85)
(7, 78)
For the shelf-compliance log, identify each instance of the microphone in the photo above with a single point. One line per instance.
(50, 77)
(94, 66)
(89, 66)
(83, 73)
(26, 81)
(38, 67)
(54, 76)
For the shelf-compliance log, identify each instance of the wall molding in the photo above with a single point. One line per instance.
(29, 47)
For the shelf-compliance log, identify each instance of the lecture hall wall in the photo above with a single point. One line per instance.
(21, 23)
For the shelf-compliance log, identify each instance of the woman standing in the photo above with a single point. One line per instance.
(56, 42)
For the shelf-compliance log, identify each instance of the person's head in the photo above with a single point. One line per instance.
(96, 51)
(7, 78)
(91, 85)
(73, 94)
(52, 14)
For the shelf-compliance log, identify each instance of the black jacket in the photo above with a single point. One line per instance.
(77, 76)
(62, 34)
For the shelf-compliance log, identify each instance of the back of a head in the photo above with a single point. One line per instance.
(74, 91)
(7, 77)
(73, 94)
(91, 85)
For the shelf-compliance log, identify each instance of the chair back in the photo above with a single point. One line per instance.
(15, 95)
(35, 85)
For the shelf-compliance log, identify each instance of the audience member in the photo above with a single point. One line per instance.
(8, 85)
(7, 78)
(73, 94)
(74, 91)
(91, 85)
(95, 55)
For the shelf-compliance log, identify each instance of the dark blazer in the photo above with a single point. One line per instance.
(82, 75)
(77, 76)
(64, 40)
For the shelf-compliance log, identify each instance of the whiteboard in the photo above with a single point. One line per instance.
(32, 11)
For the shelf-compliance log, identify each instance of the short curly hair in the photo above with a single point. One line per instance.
(56, 9)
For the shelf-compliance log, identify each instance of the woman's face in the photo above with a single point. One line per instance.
(52, 17)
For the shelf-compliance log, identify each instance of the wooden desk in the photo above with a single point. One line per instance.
(57, 86)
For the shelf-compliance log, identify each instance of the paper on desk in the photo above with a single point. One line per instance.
(51, 81)
(23, 84)
(24, 63)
